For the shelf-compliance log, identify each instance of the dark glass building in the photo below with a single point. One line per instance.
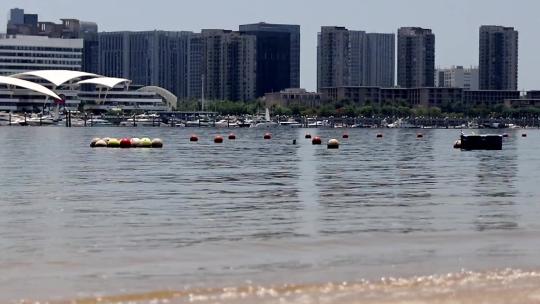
(278, 56)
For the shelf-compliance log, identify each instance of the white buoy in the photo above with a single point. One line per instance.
(333, 144)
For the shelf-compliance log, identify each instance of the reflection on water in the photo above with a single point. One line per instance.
(76, 222)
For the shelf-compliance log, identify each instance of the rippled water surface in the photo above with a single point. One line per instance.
(81, 223)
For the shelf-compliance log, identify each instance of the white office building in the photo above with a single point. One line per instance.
(458, 77)
(30, 53)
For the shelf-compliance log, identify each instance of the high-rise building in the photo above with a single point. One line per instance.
(333, 59)
(157, 58)
(380, 60)
(498, 58)
(416, 57)
(457, 77)
(355, 58)
(278, 56)
(229, 65)
(195, 66)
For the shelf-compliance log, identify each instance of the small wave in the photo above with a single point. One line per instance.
(504, 286)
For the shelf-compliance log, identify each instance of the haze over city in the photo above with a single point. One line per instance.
(455, 23)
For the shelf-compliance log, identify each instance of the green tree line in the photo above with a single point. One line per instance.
(345, 108)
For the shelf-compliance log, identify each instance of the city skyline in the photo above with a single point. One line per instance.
(455, 23)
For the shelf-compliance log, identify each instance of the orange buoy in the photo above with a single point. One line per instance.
(267, 136)
(218, 139)
(345, 136)
(316, 140)
(308, 136)
(232, 136)
(379, 135)
(193, 138)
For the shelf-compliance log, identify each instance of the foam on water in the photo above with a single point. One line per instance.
(506, 286)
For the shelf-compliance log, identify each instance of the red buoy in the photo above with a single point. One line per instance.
(193, 138)
(232, 136)
(308, 136)
(218, 139)
(125, 142)
(345, 135)
(267, 136)
(316, 140)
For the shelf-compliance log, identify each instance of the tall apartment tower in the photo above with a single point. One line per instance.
(147, 58)
(229, 65)
(355, 58)
(333, 57)
(498, 58)
(416, 57)
(278, 56)
(380, 60)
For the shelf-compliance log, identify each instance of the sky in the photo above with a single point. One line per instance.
(455, 23)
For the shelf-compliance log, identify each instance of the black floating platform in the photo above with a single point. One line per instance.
(481, 142)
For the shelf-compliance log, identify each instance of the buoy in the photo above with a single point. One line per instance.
(267, 136)
(316, 140)
(193, 138)
(125, 143)
(308, 136)
(333, 144)
(505, 135)
(457, 144)
(218, 139)
(145, 143)
(379, 135)
(419, 135)
(157, 143)
(524, 135)
(135, 142)
(101, 143)
(345, 135)
(232, 136)
(94, 141)
(113, 143)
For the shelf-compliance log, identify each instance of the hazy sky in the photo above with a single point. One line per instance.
(454, 22)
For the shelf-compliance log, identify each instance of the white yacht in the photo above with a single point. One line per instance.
(290, 124)
(40, 120)
(267, 123)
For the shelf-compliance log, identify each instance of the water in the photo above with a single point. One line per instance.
(271, 220)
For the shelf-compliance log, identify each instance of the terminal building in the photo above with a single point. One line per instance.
(56, 64)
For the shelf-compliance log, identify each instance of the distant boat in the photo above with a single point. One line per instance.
(290, 124)
(267, 123)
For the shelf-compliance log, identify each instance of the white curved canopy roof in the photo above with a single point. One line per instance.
(109, 82)
(28, 85)
(56, 77)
